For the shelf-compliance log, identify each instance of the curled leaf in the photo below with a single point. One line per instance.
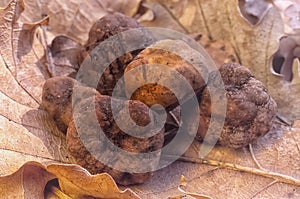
(28, 182)
(65, 57)
(283, 59)
(253, 11)
(78, 182)
(289, 11)
(34, 179)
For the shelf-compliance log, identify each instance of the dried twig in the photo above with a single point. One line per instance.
(51, 68)
(254, 158)
(283, 121)
(297, 145)
(264, 188)
(265, 173)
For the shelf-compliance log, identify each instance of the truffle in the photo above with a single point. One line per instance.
(90, 146)
(106, 27)
(56, 100)
(164, 64)
(250, 109)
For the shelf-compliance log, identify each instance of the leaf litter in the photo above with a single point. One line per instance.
(278, 151)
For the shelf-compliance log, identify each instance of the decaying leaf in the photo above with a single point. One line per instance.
(277, 152)
(18, 50)
(159, 17)
(74, 182)
(65, 56)
(77, 183)
(289, 11)
(26, 133)
(79, 16)
(254, 10)
(254, 46)
(219, 50)
(28, 182)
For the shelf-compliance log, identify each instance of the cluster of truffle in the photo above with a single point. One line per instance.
(250, 109)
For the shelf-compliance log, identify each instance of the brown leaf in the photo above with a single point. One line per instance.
(18, 51)
(277, 152)
(220, 51)
(65, 56)
(254, 10)
(31, 179)
(159, 17)
(254, 46)
(77, 182)
(73, 18)
(26, 133)
(28, 182)
(79, 16)
(289, 14)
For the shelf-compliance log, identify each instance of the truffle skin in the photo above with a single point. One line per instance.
(250, 109)
(94, 139)
(171, 56)
(104, 28)
(56, 100)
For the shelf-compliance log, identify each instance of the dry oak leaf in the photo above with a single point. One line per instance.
(78, 182)
(28, 182)
(253, 45)
(223, 172)
(26, 133)
(75, 182)
(73, 18)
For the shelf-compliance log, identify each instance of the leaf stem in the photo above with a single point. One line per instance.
(254, 158)
(265, 173)
(57, 192)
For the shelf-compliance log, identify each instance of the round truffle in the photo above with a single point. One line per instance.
(158, 67)
(250, 109)
(89, 152)
(106, 27)
(56, 100)
(58, 96)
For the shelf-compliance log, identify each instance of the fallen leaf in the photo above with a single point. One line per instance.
(219, 50)
(181, 188)
(289, 13)
(26, 133)
(277, 152)
(65, 56)
(28, 182)
(254, 10)
(254, 46)
(160, 18)
(77, 182)
(75, 18)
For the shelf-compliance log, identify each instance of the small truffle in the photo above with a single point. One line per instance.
(165, 63)
(57, 99)
(106, 27)
(94, 147)
(250, 109)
